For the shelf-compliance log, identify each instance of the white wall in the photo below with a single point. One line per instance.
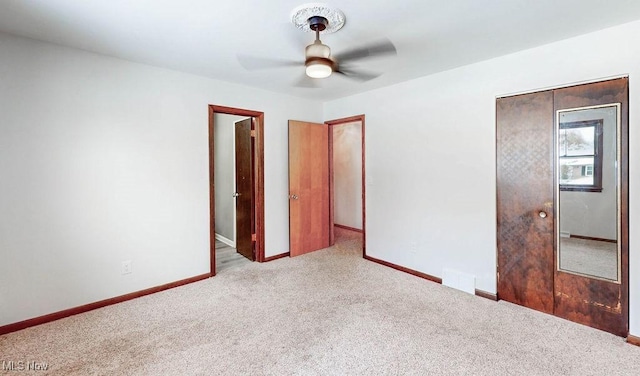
(347, 174)
(104, 160)
(431, 153)
(225, 174)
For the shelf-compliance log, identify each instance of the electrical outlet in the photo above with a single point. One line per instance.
(126, 267)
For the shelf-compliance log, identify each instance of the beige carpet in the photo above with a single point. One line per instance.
(327, 313)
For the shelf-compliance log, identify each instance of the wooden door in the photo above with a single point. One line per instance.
(599, 303)
(308, 187)
(528, 234)
(524, 157)
(244, 189)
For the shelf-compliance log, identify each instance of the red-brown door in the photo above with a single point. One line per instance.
(524, 126)
(308, 187)
(244, 189)
(529, 233)
(599, 302)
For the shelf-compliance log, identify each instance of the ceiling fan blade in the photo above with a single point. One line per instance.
(255, 63)
(307, 82)
(357, 75)
(373, 49)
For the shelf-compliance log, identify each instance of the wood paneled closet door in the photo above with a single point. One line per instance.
(525, 190)
(528, 224)
(598, 302)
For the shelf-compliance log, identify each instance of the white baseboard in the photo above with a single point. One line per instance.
(226, 241)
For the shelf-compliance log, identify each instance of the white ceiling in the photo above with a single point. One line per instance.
(203, 37)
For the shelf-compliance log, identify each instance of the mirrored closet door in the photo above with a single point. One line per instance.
(562, 189)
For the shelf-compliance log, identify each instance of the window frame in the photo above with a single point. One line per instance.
(597, 124)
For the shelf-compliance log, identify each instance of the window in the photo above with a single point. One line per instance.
(580, 156)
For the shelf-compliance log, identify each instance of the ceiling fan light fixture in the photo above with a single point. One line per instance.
(318, 68)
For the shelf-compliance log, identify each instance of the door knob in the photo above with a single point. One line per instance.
(236, 194)
(293, 197)
(542, 214)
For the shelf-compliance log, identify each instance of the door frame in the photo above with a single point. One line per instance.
(258, 184)
(331, 124)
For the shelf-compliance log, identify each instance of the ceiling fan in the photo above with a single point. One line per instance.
(319, 62)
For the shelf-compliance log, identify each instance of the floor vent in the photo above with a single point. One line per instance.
(459, 280)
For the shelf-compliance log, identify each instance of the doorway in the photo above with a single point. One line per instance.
(347, 176)
(312, 185)
(248, 139)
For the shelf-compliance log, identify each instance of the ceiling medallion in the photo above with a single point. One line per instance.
(300, 17)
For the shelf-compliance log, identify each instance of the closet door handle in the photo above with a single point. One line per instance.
(542, 214)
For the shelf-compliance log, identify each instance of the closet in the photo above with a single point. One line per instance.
(562, 202)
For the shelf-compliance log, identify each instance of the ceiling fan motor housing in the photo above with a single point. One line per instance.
(318, 23)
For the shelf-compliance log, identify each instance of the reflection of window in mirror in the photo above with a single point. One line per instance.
(580, 156)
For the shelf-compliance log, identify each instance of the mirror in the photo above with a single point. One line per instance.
(587, 191)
